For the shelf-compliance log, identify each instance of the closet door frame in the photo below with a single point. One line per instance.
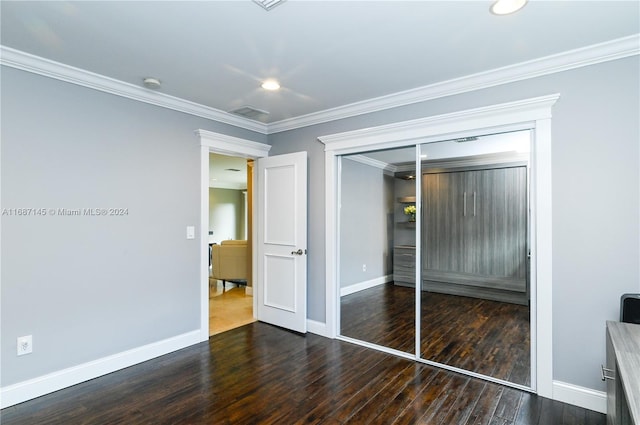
(529, 114)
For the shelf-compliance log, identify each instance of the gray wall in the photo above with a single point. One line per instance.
(116, 283)
(88, 287)
(226, 214)
(595, 194)
(366, 217)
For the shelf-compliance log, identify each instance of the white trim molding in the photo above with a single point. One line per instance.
(386, 168)
(36, 387)
(580, 396)
(317, 328)
(528, 114)
(59, 71)
(572, 59)
(226, 145)
(229, 145)
(367, 284)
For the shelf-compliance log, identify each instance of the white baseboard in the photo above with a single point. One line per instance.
(361, 286)
(36, 387)
(318, 328)
(580, 396)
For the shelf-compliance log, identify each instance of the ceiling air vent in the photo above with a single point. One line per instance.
(466, 139)
(251, 113)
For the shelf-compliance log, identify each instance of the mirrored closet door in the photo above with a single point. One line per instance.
(377, 248)
(460, 226)
(475, 312)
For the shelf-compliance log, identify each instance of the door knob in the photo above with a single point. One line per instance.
(298, 252)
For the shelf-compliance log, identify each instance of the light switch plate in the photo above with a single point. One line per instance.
(191, 232)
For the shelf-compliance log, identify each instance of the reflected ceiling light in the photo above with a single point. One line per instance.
(505, 7)
(268, 4)
(271, 85)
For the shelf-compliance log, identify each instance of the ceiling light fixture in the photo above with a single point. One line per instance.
(271, 85)
(268, 4)
(151, 83)
(505, 7)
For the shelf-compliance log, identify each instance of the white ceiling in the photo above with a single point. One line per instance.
(326, 54)
(517, 142)
(222, 172)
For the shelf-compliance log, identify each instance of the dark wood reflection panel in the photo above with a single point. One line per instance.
(383, 315)
(482, 336)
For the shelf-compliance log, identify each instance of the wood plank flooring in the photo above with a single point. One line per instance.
(486, 337)
(229, 307)
(261, 374)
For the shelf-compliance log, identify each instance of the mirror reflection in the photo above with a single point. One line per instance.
(473, 256)
(373, 231)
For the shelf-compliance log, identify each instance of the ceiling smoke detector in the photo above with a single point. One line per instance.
(151, 83)
(268, 4)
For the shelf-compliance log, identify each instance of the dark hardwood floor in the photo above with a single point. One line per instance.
(261, 374)
(486, 337)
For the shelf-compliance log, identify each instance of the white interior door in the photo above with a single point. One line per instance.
(282, 241)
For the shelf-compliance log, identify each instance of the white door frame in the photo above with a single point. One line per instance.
(529, 114)
(211, 142)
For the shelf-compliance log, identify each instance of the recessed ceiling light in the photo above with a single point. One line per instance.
(505, 7)
(271, 84)
(424, 155)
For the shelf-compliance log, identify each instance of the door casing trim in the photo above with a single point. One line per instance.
(211, 142)
(528, 114)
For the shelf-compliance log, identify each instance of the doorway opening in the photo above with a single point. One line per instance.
(217, 143)
(230, 249)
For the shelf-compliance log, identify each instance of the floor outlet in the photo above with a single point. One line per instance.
(25, 345)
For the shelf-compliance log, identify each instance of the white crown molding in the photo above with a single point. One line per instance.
(59, 71)
(590, 55)
(228, 185)
(372, 163)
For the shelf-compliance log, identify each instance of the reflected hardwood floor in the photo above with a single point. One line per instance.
(229, 307)
(487, 337)
(261, 374)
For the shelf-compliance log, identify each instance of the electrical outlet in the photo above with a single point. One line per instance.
(25, 345)
(364, 267)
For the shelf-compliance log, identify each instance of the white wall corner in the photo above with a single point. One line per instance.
(317, 328)
(580, 396)
(42, 385)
